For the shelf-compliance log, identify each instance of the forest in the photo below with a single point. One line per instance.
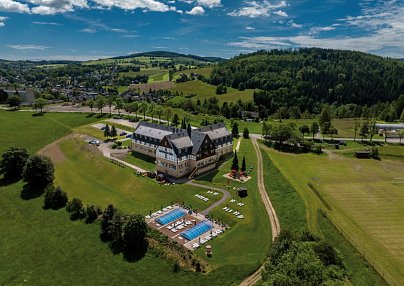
(308, 78)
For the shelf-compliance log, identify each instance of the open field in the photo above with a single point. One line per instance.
(291, 212)
(362, 197)
(34, 131)
(249, 239)
(202, 71)
(205, 91)
(82, 173)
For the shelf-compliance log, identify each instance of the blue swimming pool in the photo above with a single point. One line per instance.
(197, 230)
(171, 216)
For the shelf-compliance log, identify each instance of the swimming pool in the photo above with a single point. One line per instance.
(197, 230)
(171, 216)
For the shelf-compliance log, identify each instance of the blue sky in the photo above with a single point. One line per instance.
(91, 29)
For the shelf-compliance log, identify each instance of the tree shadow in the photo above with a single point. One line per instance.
(28, 192)
(38, 114)
(90, 115)
(134, 255)
(8, 181)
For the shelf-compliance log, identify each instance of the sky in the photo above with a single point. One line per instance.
(92, 29)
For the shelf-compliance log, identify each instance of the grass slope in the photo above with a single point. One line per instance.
(249, 239)
(28, 130)
(206, 91)
(364, 200)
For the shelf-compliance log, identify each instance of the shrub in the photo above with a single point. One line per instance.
(374, 152)
(76, 209)
(55, 198)
(246, 133)
(92, 213)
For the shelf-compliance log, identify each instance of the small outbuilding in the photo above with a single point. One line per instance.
(242, 192)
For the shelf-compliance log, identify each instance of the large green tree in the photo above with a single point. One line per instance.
(55, 198)
(13, 161)
(39, 171)
(134, 237)
(40, 103)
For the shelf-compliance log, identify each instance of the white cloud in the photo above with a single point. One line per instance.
(292, 24)
(46, 23)
(147, 5)
(250, 28)
(2, 21)
(281, 13)
(89, 30)
(257, 8)
(13, 6)
(209, 3)
(204, 3)
(27, 47)
(51, 7)
(198, 10)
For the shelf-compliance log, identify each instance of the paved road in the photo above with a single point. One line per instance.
(275, 226)
(226, 196)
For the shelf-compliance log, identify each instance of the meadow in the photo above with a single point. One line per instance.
(204, 91)
(291, 212)
(363, 198)
(248, 240)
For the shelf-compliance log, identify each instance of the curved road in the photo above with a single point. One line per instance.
(275, 226)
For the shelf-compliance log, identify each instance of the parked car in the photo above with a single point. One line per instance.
(94, 142)
(103, 128)
(129, 136)
(123, 133)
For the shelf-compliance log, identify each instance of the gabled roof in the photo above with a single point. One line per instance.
(214, 131)
(154, 130)
(180, 140)
(197, 140)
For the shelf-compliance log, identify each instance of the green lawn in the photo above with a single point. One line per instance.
(206, 91)
(25, 129)
(85, 174)
(142, 161)
(362, 197)
(248, 240)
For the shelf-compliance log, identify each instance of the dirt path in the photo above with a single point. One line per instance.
(275, 226)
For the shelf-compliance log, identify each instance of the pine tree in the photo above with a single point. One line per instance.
(243, 165)
(234, 165)
(114, 133)
(234, 129)
(107, 131)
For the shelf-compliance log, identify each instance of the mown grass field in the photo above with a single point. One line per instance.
(248, 240)
(364, 198)
(81, 172)
(31, 131)
(53, 250)
(205, 91)
(140, 160)
(291, 212)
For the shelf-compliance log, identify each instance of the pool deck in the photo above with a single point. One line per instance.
(180, 225)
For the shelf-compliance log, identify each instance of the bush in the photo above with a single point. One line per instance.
(76, 209)
(374, 152)
(55, 198)
(92, 213)
(38, 172)
(246, 133)
(176, 267)
(13, 162)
